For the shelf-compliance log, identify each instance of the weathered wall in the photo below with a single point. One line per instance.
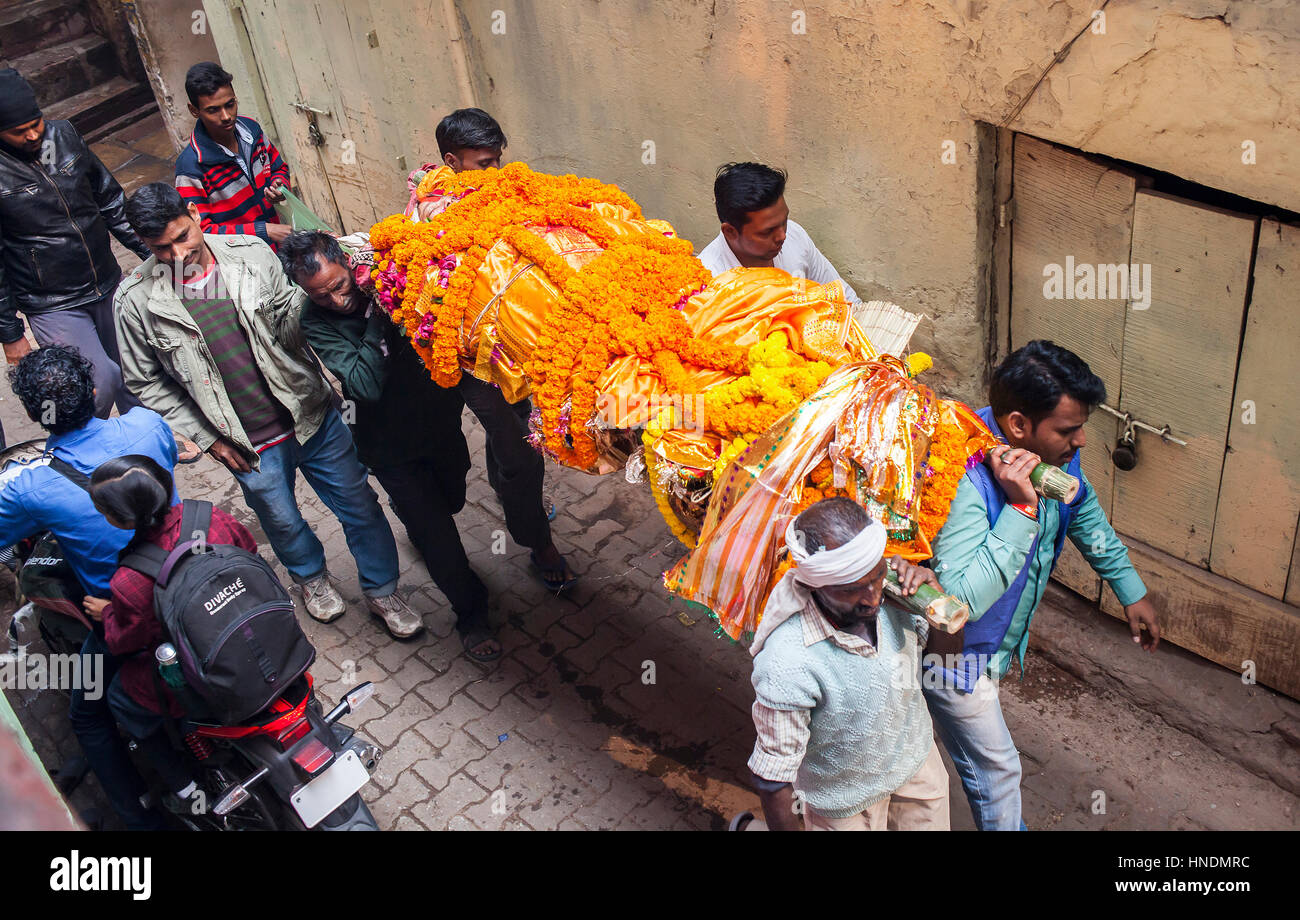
(172, 35)
(857, 107)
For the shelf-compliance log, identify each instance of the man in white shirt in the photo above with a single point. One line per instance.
(757, 231)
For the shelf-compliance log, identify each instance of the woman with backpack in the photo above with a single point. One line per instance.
(135, 493)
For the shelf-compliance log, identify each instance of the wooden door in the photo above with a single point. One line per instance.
(268, 37)
(1259, 500)
(318, 55)
(1068, 206)
(1180, 359)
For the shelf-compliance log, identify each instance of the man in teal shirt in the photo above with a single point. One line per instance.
(996, 552)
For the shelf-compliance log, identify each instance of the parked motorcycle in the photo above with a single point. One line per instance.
(290, 767)
(287, 768)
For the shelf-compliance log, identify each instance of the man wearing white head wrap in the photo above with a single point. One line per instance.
(838, 707)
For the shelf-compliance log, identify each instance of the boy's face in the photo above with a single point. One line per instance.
(1056, 437)
(761, 238)
(217, 111)
(473, 158)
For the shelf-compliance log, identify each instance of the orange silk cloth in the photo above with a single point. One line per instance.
(511, 296)
(742, 307)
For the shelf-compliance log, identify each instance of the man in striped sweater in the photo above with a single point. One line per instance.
(229, 170)
(211, 341)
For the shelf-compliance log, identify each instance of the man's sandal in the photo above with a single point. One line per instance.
(555, 579)
(476, 637)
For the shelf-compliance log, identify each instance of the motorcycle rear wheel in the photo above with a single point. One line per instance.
(258, 813)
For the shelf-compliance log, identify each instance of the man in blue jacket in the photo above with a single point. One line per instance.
(56, 386)
(996, 552)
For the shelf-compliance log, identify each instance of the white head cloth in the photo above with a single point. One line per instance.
(840, 566)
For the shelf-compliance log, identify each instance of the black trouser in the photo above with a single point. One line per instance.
(105, 750)
(515, 468)
(426, 492)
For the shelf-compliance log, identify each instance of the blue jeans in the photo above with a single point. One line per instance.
(105, 750)
(329, 462)
(976, 737)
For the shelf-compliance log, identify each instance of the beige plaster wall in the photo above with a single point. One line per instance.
(857, 107)
(172, 36)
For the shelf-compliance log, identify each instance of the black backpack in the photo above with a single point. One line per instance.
(233, 624)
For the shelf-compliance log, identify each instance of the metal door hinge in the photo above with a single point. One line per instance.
(1006, 213)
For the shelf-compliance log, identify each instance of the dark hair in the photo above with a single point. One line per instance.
(204, 79)
(58, 383)
(468, 129)
(1032, 380)
(743, 187)
(153, 207)
(302, 252)
(836, 520)
(133, 489)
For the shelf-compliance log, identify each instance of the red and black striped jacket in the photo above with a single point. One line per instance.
(213, 180)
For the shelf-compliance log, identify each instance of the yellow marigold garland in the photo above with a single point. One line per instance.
(778, 380)
(654, 430)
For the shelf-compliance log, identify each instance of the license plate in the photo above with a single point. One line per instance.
(331, 789)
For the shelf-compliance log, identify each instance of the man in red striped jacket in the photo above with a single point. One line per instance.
(229, 170)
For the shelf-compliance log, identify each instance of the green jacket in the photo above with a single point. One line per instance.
(400, 414)
(167, 364)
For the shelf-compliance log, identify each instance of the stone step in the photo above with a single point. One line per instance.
(26, 27)
(68, 68)
(113, 104)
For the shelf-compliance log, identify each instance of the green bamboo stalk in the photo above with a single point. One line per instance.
(943, 610)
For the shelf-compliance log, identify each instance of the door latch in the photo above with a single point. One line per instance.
(1125, 454)
(304, 107)
(314, 137)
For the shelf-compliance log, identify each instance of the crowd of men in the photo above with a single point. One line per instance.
(214, 344)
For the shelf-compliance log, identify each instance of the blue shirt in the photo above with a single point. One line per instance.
(41, 499)
(978, 563)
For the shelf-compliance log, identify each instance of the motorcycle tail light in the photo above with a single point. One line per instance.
(313, 757)
(294, 733)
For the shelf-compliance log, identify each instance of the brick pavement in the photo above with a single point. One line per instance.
(563, 732)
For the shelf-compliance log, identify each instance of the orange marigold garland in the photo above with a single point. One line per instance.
(623, 302)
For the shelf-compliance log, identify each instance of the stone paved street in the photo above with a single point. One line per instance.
(567, 731)
(564, 733)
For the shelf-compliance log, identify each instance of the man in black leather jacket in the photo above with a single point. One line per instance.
(58, 204)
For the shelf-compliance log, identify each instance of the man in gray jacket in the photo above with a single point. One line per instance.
(210, 340)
